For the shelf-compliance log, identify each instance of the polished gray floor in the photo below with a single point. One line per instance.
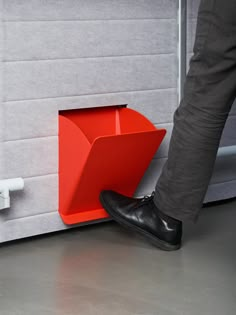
(105, 270)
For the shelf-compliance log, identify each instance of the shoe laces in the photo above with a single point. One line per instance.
(147, 198)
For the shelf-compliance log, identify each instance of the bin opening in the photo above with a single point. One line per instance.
(95, 122)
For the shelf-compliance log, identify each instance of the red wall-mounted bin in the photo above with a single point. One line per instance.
(101, 148)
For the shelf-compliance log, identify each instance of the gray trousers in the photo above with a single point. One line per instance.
(209, 92)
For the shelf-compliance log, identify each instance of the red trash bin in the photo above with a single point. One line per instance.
(101, 148)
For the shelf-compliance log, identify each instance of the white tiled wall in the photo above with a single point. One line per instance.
(73, 54)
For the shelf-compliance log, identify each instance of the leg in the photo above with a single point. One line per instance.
(210, 90)
(198, 124)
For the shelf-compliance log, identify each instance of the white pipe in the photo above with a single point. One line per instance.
(7, 185)
(12, 184)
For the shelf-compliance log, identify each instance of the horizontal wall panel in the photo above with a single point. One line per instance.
(233, 109)
(158, 107)
(92, 9)
(224, 169)
(30, 119)
(40, 195)
(59, 40)
(220, 191)
(229, 133)
(34, 157)
(38, 118)
(33, 225)
(43, 79)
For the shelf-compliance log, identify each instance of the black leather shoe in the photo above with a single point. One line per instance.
(142, 216)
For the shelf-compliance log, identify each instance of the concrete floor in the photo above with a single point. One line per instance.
(105, 270)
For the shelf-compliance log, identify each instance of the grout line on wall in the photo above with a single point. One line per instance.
(43, 175)
(84, 57)
(92, 95)
(28, 139)
(95, 94)
(32, 215)
(89, 20)
(157, 124)
(224, 182)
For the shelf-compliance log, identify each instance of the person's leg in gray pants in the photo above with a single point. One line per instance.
(210, 90)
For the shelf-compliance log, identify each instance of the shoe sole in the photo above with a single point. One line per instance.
(153, 239)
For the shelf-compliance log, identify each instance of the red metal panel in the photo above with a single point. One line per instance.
(101, 148)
